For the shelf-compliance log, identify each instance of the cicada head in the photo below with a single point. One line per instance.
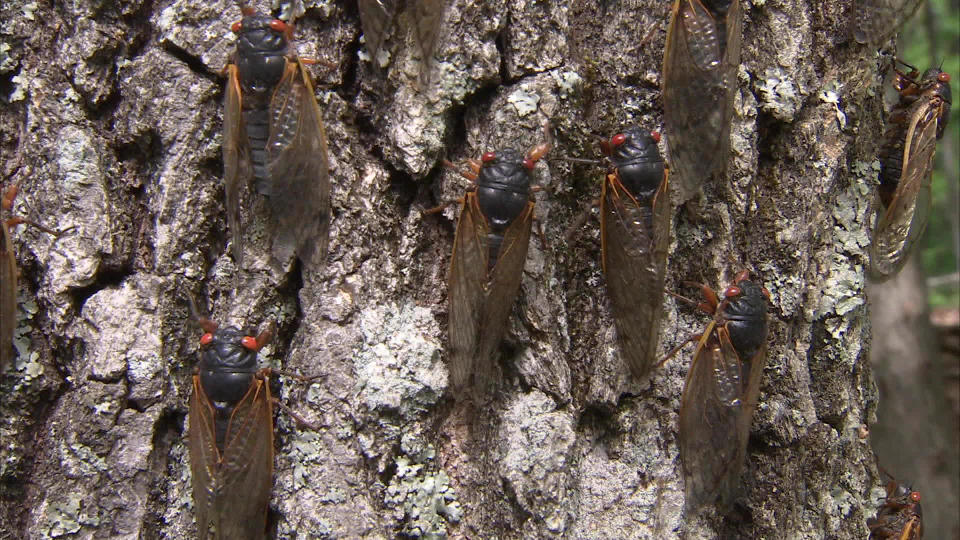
(262, 34)
(936, 84)
(637, 159)
(506, 170)
(228, 358)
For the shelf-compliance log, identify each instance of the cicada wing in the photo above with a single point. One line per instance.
(468, 278)
(428, 15)
(699, 79)
(204, 459)
(875, 21)
(246, 471)
(376, 19)
(236, 158)
(635, 236)
(298, 166)
(715, 413)
(8, 296)
(501, 291)
(905, 219)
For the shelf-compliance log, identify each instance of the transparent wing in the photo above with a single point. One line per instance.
(875, 21)
(204, 458)
(501, 290)
(376, 19)
(699, 79)
(428, 15)
(719, 397)
(246, 470)
(8, 296)
(468, 277)
(236, 158)
(635, 236)
(298, 166)
(905, 219)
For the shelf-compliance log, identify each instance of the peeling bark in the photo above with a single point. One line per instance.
(122, 108)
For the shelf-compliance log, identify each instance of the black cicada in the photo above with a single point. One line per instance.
(900, 516)
(906, 160)
(377, 19)
(273, 133)
(875, 21)
(231, 435)
(635, 229)
(721, 391)
(489, 252)
(8, 273)
(699, 81)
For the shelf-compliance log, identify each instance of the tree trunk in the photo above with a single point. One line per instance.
(121, 108)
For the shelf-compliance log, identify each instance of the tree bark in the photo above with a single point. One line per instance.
(121, 104)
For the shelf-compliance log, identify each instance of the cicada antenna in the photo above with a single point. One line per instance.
(203, 322)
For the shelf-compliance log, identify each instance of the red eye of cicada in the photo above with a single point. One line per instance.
(206, 338)
(655, 135)
(236, 27)
(915, 496)
(488, 157)
(278, 26)
(943, 77)
(731, 291)
(618, 139)
(250, 343)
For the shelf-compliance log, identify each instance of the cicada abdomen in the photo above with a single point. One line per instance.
(377, 17)
(635, 235)
(899, 517)
(906, 166)
(721, 392)
(231, 436)
(699, 81)
(489, 252)
(875, 21)
(274, 135)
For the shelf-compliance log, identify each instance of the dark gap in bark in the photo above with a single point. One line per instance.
(105, 278)
(193, 63)
(168, 429)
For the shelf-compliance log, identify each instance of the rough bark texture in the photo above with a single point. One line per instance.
(122, 113)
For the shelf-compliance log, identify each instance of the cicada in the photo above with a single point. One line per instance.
(721, 392)
(875, 21)
(906, 161)
(274, 134)
(489, 252)
(635, 231)
(900, 516)
(231, 435)
(699, 81)
(8, 273)
(377, 19)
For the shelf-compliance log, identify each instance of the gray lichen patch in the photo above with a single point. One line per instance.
(538, 458)
(201, 29)
(398, 366)
(421, 496)
(779, 95)
(123, 337)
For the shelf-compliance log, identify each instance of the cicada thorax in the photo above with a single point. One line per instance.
(900, 517)
(721, 393)
(635, 226)
(503, 195)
